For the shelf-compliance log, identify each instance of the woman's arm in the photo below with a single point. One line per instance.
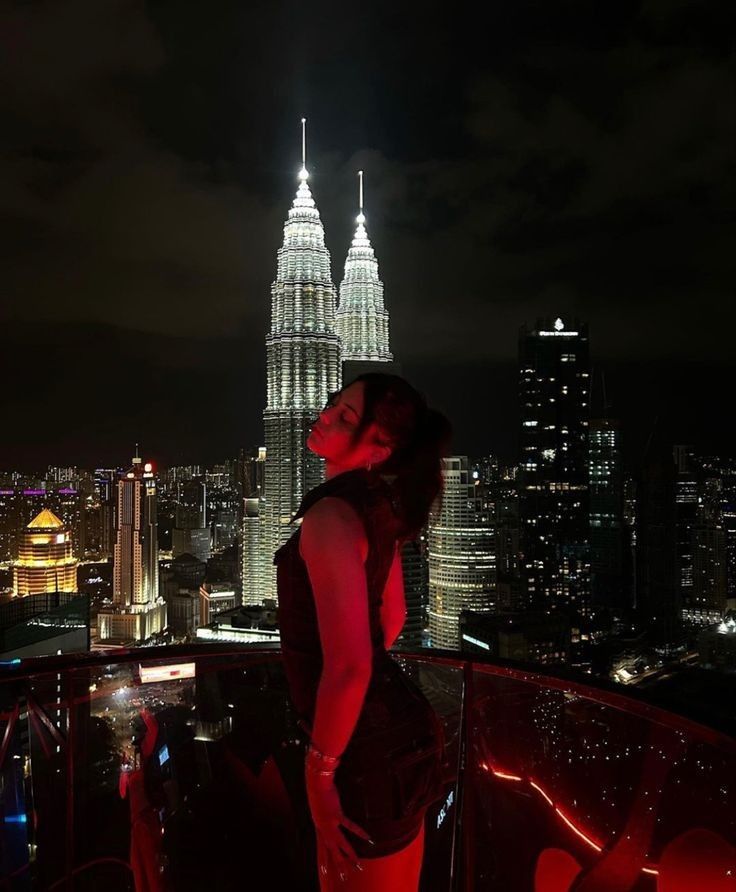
(334, 546)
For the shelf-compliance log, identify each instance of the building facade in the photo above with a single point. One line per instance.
(138, 611)
(302, 368)
(554, 372)
(362, 319)
(461, 552)
(46, 561)
(608, 551)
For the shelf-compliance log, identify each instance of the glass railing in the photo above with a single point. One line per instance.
(552, 784)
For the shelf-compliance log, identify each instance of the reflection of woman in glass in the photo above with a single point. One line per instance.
(372, 766)
(145, 798)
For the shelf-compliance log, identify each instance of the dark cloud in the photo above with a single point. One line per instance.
(547, 159)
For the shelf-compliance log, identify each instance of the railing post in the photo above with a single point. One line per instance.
(70, 742)
(463, 860)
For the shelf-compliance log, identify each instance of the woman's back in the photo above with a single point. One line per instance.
(370, 496)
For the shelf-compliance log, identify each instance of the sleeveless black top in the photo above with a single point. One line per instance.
(372, 499)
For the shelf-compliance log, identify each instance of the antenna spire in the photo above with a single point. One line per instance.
(303, 175)
(361, 215)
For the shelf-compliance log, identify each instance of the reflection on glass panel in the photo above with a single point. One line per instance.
(566, 789)
(181, 774)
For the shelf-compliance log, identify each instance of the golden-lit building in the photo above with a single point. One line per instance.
(46, 561)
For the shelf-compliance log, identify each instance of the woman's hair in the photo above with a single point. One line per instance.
(419, 437)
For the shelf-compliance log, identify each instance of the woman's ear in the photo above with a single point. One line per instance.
(380, 454)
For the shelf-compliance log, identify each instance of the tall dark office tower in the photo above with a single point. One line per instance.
(686, 507)
(658, 597)
(710, 584)
(416, 594)
(554, 368)
(607, 528)
(302, 367)
(508, 547)
(191, 533)
(105, 494)
(138, 612)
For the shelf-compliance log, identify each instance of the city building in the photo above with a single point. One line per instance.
(252, 473)
(302, 367)
(687, 484)
(191, 533)
(658, 591)
(554, 371)
(717, 646)
(46, 561)
(362, 319)
(44, 624)
(710, 563)
(533, 636)
(138, 612)
(508, 547)
(608, 532)
(252, 561)
(461, 553)
(244, 625)
(416, 592)
(183, 612)
(216, 598)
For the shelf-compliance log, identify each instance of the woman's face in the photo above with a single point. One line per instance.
(333, 434)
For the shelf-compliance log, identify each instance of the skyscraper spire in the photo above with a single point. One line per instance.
(362, 319)
(302, 365)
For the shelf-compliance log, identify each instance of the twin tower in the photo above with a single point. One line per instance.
(311, 336)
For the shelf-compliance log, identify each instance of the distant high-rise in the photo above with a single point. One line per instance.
(191, 534)
(138, 612)
(658, 594)
(253, 567)
(462, 560)
(710, 563)
(607, 527)
(362, 318)
(302, 366)
(554, 370)
(46, 560)
(414, 569)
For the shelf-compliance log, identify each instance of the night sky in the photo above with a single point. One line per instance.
(535, 159)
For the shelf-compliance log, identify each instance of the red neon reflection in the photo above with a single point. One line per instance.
(586, 837)
(589, 839)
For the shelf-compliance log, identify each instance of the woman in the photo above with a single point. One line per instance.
(373, 763)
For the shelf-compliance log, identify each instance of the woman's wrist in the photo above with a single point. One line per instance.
(320, 763)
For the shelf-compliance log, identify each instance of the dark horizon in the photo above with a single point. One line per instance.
(217, 409)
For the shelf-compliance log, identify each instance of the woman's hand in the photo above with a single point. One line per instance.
(327, 814)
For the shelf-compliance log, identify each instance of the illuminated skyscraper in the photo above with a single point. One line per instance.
(302, 366)
(554, 486)
(138, 611)
(252, 552)
(462, 558)
(362, 319)
(46, 561)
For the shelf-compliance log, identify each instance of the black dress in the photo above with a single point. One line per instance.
(391, 769)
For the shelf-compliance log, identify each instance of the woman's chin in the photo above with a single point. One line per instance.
(312, 446)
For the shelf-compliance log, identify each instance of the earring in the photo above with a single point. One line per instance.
(370, 465)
